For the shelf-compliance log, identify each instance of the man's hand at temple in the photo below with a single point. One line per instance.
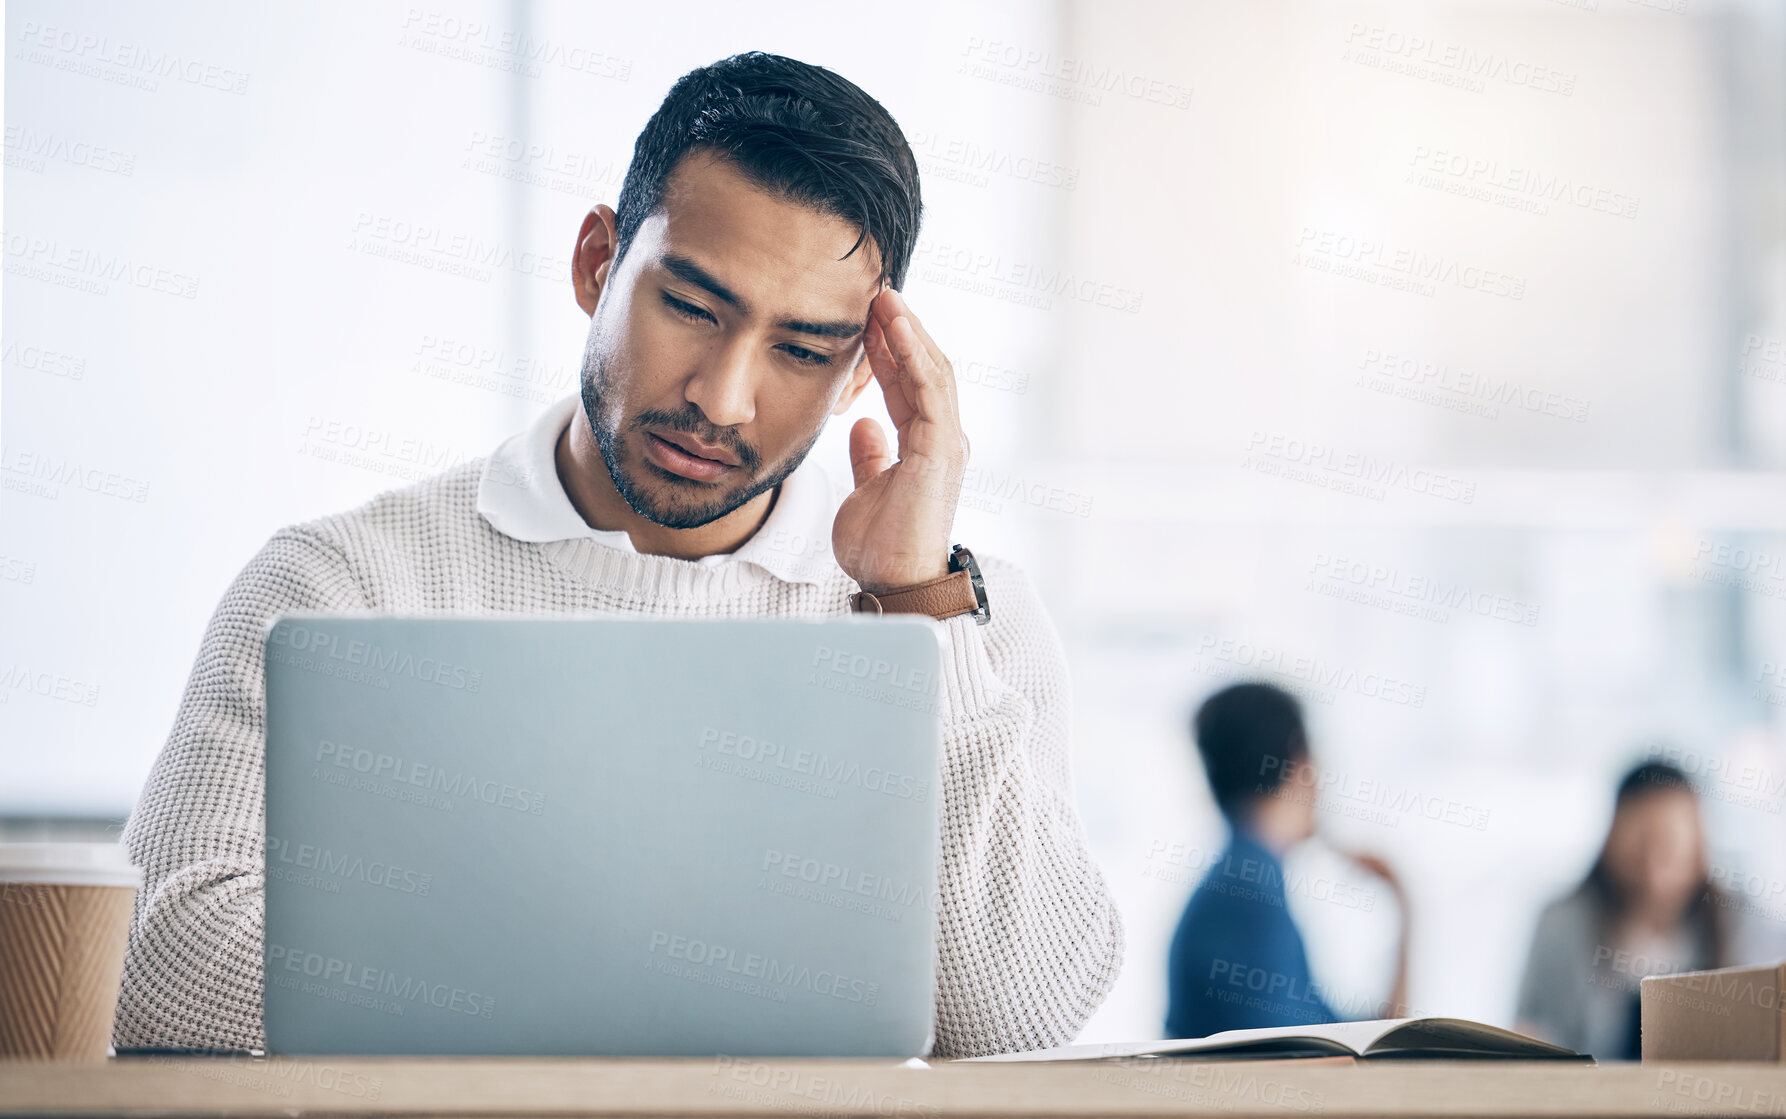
(893, 530)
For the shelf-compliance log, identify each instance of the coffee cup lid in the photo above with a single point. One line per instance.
(68, 864)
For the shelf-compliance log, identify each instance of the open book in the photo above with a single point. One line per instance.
(1447, 1038)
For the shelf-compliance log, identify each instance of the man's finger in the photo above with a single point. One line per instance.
(887, 371)
(869, 455)
(926, 383)
(926, 380)
(905, 309)
(898, 308)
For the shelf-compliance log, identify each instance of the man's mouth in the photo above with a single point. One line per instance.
(695, 448)
(689, 457)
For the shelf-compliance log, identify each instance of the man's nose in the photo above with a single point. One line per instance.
(724, 385)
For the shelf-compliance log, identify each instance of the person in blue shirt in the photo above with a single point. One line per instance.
(1237, 958)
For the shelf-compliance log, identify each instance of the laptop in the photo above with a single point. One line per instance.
(584, 835)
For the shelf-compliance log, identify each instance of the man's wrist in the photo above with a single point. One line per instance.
(878, 589)
(958, 590)
(945, 596)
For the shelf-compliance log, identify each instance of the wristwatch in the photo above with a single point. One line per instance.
(961, 591)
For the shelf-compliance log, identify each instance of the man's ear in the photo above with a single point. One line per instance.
(593, 257)
(859, 378)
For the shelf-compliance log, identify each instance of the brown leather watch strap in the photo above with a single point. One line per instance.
(942, 597)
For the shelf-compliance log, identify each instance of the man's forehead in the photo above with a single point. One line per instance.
(759, 243)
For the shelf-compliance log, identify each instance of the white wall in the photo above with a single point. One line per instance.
(1240, 217)
(367, 230)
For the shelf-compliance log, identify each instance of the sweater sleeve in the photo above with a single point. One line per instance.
(192, 971)
(1029, 940)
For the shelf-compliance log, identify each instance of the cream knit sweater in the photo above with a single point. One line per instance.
(1029, 940)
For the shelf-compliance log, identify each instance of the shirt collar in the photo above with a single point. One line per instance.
(520, 495)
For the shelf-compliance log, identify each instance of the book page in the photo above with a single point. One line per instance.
(1460, 1036)
(1330, 1037)
(1382, 1037)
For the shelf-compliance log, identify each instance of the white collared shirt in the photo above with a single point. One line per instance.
(520, 495)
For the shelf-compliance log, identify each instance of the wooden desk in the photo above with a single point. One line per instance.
(741, 1086)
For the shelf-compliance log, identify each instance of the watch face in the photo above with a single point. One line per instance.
(960, 559)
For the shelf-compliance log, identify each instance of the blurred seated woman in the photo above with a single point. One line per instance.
(1646, 908)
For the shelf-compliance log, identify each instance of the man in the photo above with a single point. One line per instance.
(1237, 959)
(744, 291)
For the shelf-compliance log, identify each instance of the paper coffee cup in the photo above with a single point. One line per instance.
(64, 923)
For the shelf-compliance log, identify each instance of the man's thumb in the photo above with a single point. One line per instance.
(869, 454)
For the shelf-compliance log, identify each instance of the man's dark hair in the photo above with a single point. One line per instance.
(1250, 736)
(798, 131)
(1652, 776)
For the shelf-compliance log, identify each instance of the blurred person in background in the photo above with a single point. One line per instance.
(1237, 958)
(1647, 907)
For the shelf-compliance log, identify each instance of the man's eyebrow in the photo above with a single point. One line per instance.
(843, 330)
(689, 272)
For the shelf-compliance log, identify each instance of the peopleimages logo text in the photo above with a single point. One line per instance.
(1365, 468)
(755, 965)
(430, 777)
(850, 880)
(376, 658)
(1436, 591)
(374, 872)
(873, 670)
(1313, 670)
(816, 764)
(1376, 793)
(348, 974)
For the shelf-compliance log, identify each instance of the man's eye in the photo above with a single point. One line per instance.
(695, 314)
(686, 310)
(807, 357)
